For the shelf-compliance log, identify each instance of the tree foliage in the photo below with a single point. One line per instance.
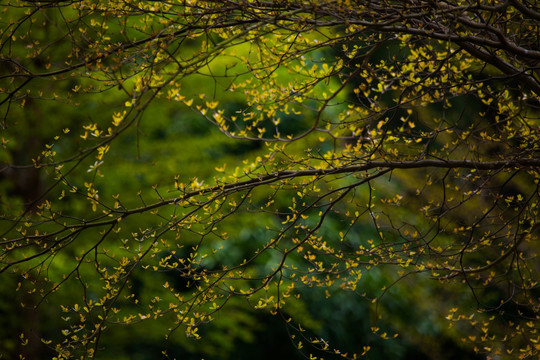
(370, 148)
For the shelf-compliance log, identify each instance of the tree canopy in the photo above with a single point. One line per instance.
(174, 169)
